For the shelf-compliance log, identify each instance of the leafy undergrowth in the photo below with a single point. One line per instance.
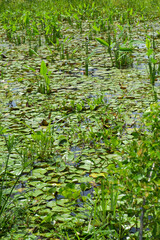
(80, 120)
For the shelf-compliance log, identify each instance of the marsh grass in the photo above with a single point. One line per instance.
(153, 65)
(6, 197)
(120, 55)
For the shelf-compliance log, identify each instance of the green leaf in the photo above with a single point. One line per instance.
(43, 69)
(104, 43)
(47, 218)
(125, 49)
(149, 52)
(51, 204)
(33, 52)
(148, 43)
(96, 28)
(120, 27)
(32, 69)
(37, 193)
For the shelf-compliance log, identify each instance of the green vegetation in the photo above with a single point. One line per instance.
(79, 120)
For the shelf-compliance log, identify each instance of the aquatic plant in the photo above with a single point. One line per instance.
(154, 67)
(122, 55)
(6, 176)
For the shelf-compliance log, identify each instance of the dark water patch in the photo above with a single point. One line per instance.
(76, 150)
(108, 97)
(58, 197)
(12, 104)
(140, 66)
(92, 72)
(157, 83)
(139, 45)
(87, 192)
(19, 189)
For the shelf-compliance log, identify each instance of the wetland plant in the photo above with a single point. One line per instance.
(87, 59)
(144, 164)
(154, 68)
(5, 194)
(123, 58)
(45, 86)
(42, 141)
(122, 55)
(105, 221)
(52, 32)
(96, 102)
(122, 167)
